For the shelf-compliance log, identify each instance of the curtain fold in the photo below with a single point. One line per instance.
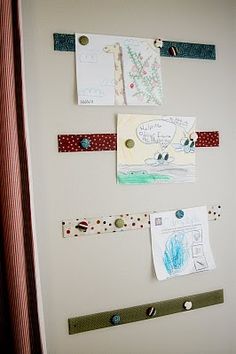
(17, 275)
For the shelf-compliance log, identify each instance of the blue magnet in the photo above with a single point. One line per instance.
(115, 320)
(179, 214)
(85, 143)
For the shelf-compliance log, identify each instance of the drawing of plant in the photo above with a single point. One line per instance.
(144, 77)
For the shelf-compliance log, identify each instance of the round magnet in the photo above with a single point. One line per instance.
(158, 43)
(85, 143)
(188, 305)
(119, 223)
(82, 226)
(179, 214)
(151, 311)
(173, 51)
(83, 40)
(194, 136)
(129, 143)
(115, 320)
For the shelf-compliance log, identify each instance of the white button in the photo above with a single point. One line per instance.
(188, 305)
(194, 136)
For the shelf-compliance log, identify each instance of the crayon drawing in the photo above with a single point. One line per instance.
(176, 253)
(163, 149)
(181, 246)
(115, 70)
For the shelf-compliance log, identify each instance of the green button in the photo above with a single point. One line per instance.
(130, 143)
(119, 223)
(83, 40)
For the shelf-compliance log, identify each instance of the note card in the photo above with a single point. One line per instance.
(155, 149)
(114, 70)
(180, 242)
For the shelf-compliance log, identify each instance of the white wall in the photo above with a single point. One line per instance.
(88, 275)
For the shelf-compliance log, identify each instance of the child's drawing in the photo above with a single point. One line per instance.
(144, 74)
(123, 70)
(116, 50)
(181, 246)
(176, 253)
(159, 159)
(163, 151)
(187, 144)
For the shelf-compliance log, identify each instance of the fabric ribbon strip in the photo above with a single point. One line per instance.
(108, 142)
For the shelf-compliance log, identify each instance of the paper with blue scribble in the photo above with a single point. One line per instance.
(115, 70)
(181, 246)
(163, 151)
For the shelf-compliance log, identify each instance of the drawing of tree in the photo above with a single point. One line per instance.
(145, 78)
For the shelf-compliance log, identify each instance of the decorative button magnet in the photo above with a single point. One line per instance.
(83, 40)
(85, 143)
(119, 223)
(158, 43)
(82, 226)
(194, 136)
(188, 305)
(151, 311)
(115, 320)
(179, 214)
(173, 51)
(129, 143)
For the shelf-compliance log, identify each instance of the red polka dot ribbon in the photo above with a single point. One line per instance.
(207, 139)
(103, 142)
(97, 142)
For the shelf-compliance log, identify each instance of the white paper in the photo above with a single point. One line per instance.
(114, 70)
(181, 246)
(163, 152)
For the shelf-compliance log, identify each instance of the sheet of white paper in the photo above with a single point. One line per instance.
(181, 246)
(114, 70)
(163, 151)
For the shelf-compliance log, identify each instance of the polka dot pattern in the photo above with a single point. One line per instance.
(98, 142)
(207, 139)
(107, 224)
(103, 142)
(101, 225)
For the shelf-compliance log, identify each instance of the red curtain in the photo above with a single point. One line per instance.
(19, 324)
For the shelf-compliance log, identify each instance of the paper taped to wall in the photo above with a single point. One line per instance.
(112, 70)
(180, 242)
(155, 149)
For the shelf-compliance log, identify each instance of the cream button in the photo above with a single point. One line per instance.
(188, 305)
